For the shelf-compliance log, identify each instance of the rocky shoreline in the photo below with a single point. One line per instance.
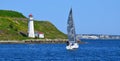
(30, 41)
(35, 41)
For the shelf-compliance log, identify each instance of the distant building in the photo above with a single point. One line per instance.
(39, 34)
(31, 27)
(97, 36)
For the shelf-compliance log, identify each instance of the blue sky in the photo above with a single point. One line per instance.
(90, 16)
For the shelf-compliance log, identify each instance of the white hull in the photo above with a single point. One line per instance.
(71, 47)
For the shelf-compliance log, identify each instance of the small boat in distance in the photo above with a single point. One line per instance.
(72, 41)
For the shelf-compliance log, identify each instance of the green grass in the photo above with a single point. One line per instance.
(11, 29)
(48, 29)
(10, 13)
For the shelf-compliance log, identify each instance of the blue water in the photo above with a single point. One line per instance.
(94, 50)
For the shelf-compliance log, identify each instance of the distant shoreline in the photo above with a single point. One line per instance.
(40, 41)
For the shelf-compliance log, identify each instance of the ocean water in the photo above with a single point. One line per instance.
(94, 50)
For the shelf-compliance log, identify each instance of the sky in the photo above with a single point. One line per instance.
(90, 16)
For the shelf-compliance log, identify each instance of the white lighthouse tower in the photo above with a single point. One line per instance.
(31, 27)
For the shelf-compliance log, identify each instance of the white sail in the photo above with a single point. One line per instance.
(71, 33)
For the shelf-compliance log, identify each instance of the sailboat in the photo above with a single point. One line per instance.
(72, 41)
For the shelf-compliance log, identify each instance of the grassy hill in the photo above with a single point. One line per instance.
(10, 13)
(14, 26)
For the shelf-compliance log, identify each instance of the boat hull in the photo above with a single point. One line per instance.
(71, 47)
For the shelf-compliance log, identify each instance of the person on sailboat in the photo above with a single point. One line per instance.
(67, 43)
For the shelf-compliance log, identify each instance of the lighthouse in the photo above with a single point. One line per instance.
(31, 27)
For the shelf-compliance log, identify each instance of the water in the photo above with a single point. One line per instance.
(95, 50)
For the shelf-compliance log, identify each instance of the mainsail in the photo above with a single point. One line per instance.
(71, 28)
